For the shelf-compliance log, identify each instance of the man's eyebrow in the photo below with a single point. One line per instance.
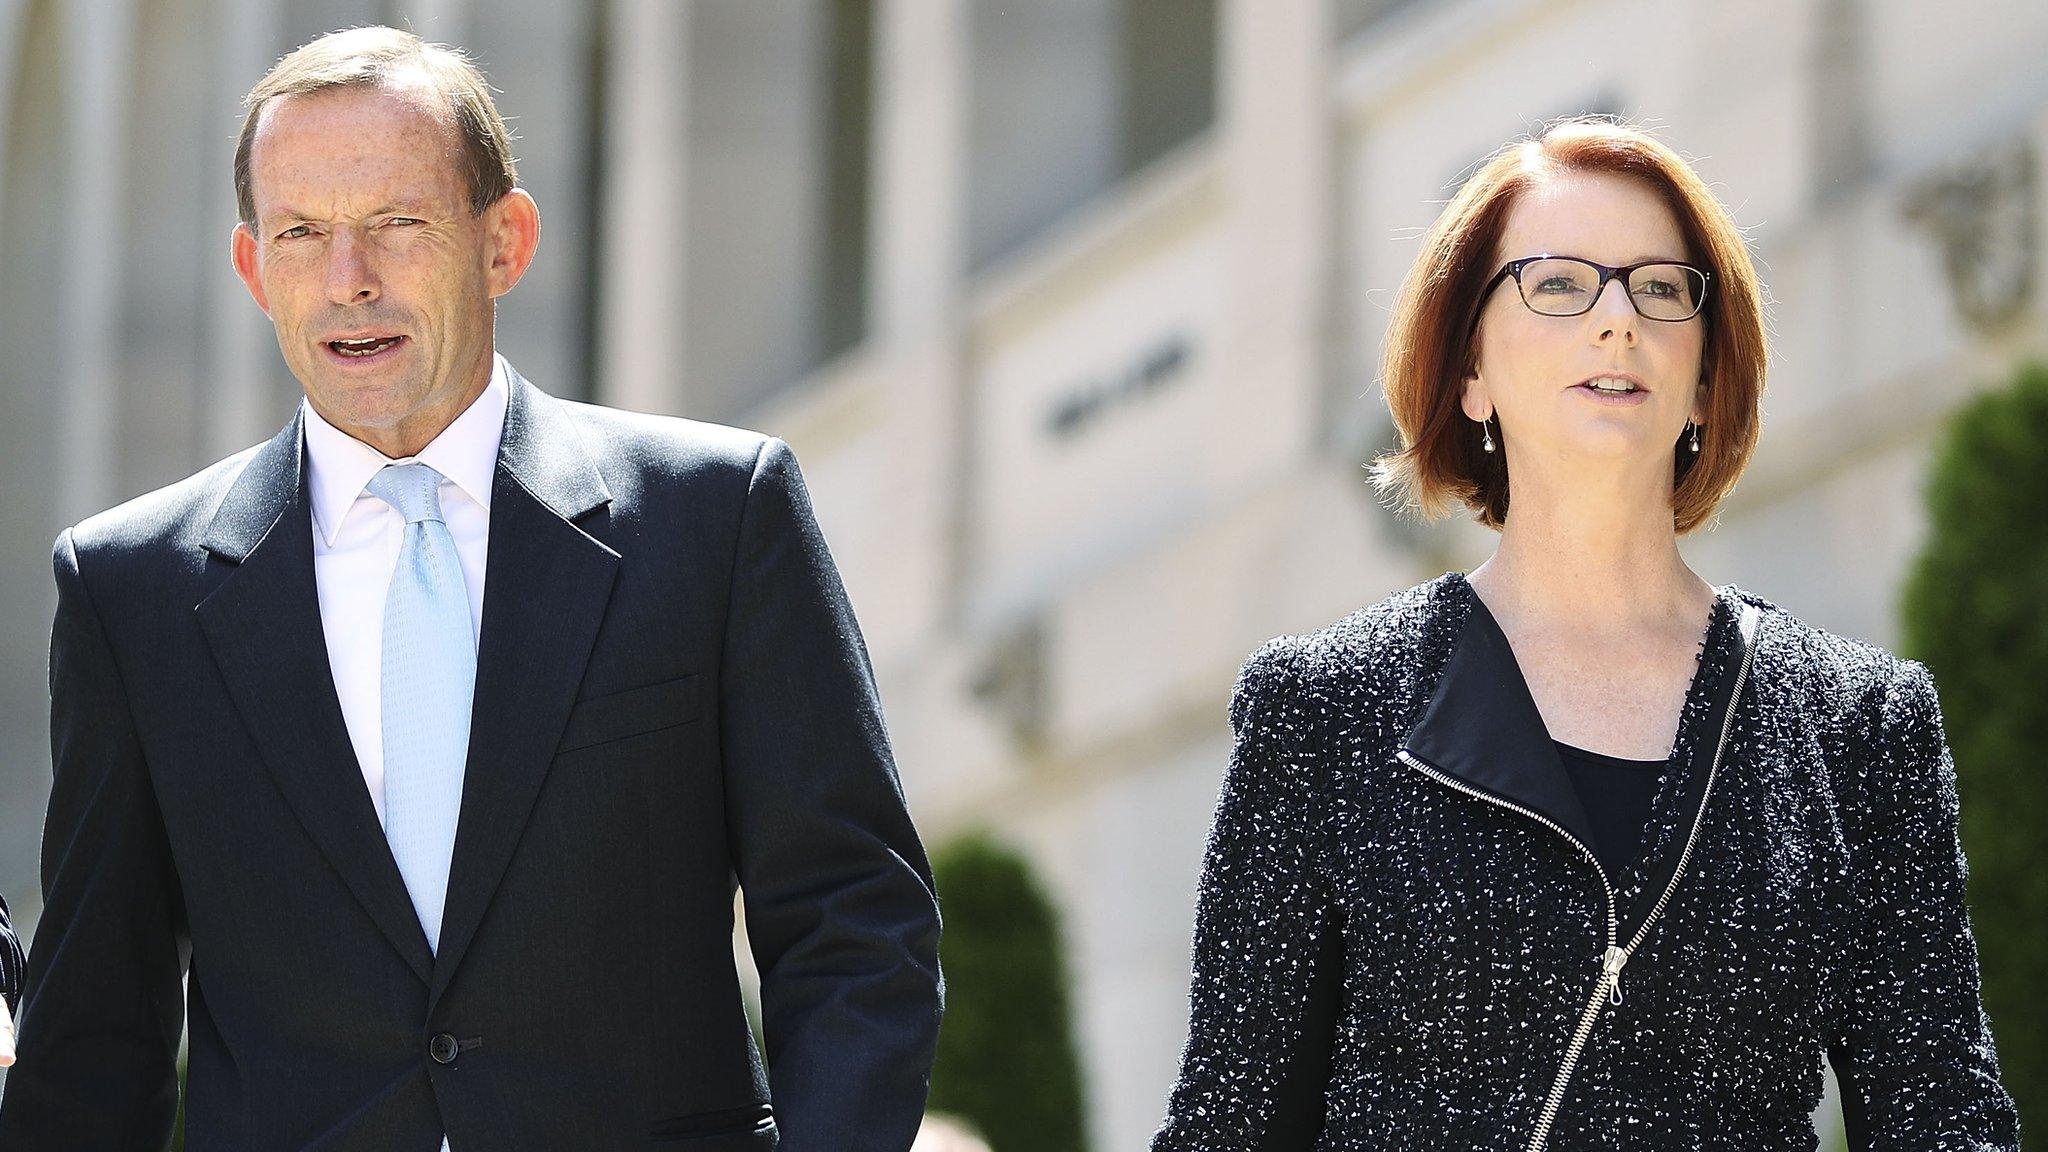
(393, 208)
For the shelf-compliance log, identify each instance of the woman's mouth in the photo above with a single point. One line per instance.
(1614, 390)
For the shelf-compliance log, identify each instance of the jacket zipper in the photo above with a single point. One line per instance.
(1613, 959)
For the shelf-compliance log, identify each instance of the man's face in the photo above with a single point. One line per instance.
(368, 261)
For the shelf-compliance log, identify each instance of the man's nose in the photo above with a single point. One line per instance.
(1614, 315)
(350, 277)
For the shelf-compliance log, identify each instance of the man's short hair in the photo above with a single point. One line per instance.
(399, 61)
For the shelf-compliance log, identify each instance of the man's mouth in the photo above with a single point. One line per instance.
(364, 348)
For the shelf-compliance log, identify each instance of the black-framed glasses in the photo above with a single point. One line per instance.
(1552, 285)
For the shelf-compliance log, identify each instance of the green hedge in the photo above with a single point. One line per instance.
(1006, 1060)
(1975, 609)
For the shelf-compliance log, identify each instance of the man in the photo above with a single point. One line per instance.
(430, 738)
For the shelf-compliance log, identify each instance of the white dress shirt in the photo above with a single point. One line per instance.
(356, 538)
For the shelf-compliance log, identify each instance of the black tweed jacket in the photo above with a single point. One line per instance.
(1403, 940)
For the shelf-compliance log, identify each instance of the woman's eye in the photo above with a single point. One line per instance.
(1557, 284)
(1658, 288)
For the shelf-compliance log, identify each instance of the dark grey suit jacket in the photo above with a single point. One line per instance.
(672, 698)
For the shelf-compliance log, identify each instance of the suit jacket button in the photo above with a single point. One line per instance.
(442, 1048)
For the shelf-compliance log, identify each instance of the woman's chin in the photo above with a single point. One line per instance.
(1619, 434)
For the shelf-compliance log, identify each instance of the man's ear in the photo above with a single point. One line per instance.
(513, 225)
(242, 251)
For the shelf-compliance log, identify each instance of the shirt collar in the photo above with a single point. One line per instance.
(465, 453)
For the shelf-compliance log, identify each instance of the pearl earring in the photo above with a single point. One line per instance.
(1487, 443)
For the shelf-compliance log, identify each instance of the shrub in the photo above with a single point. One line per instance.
(1006, 1059)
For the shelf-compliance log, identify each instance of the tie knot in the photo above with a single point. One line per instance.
(414, 489)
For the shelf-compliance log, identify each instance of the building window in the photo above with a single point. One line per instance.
(776, 204)
(1069, 98)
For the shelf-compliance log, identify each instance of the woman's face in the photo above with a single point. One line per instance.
(1534, 370)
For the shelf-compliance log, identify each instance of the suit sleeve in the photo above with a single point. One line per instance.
(104, 1005)
(1267, 951)
(839, 899)
(1913, 1051)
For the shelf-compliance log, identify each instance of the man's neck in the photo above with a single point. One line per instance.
(410, 435)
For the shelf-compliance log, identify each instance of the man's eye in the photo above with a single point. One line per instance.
(404, 220)
(294, 233)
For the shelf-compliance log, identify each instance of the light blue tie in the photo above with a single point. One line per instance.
(429, 678)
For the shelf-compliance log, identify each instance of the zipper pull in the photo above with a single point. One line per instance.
(1610, 966)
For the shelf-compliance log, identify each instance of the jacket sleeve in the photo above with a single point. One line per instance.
(1266, 946)
(840, 905)
(103, 1006)
(1913, 1052)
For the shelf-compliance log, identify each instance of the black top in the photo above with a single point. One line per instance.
(1616, 795)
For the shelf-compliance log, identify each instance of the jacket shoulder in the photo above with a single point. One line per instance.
(169, 521)
(1387, 632)
(1829, 674)
(1375, 649)
(667, 446)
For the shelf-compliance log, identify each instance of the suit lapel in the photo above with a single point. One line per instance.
(547, 582)
(263, 627)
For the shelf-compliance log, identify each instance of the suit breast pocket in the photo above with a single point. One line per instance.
(633, 712)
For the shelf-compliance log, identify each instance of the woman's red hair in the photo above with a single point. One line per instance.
(1428, 350)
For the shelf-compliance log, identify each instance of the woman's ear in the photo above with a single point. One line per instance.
(1474, 398)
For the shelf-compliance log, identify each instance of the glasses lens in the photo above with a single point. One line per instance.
(1559, 287)
(1667, 291)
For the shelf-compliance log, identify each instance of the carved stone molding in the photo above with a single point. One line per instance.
(1010, 681)
(1985, 212)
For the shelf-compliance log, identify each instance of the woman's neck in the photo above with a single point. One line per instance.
(1591, 563)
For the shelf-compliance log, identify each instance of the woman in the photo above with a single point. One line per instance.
(1579, 851)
